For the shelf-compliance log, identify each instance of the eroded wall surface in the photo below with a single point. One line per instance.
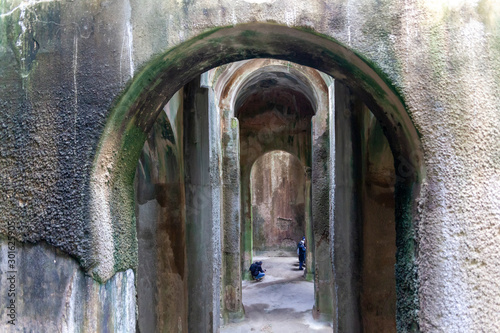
(63, 64)
(43, 289)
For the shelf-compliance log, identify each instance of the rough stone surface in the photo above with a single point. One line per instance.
(51, 293)
(61, 72)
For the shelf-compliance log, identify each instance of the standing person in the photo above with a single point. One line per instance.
(301, 250)
(257, 271)
(298, 251)
(303, 240)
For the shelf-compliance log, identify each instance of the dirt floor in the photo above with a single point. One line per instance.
(281, 303)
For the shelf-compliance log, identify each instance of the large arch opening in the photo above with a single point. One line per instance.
(274, 103)
(137, 110)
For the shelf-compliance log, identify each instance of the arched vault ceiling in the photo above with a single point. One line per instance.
(274, 81)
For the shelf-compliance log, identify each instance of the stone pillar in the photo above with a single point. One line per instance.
(308, 228)
(202, 172)
(346, 233)
(246, 221)
(215, 156)
(321, 225)
(232, 308)
(378, 232)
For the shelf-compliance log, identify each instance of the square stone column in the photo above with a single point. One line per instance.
(346, 235)
(203, 208)
(321, 220)
(232, 308)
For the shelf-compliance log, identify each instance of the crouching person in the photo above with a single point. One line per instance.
(257, 271)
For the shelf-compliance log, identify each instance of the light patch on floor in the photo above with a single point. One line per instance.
(281, 303)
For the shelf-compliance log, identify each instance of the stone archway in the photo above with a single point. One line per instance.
(229, 86)
(264, 104)
(138, 107)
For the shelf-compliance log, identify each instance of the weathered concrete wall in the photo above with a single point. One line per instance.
(278, 202)
(62, 65)
(160, 214)
(47, 291)
(442, 58)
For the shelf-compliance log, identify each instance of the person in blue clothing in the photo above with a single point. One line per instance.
(303, 240)
(301, 251)
(257, 271)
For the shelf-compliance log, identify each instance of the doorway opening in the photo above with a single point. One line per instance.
(284, 298)
(201, 191)
(278, 199)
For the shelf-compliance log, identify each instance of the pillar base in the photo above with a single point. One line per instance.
(322, 317)
(309, 276)
(234, 317)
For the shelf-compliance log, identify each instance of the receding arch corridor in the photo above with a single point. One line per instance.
(244, 161)
(125, 169)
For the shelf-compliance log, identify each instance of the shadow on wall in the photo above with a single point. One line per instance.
(159, 190)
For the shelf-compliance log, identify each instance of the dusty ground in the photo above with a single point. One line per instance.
(281, 303)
